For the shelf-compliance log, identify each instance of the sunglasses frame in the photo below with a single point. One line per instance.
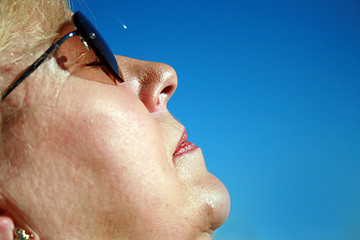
(91, 38)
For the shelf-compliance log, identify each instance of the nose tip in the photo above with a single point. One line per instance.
(157, 86)
(157, 82)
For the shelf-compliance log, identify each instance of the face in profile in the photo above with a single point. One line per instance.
(108, 160)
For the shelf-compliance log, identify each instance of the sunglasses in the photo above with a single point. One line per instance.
(92, 40)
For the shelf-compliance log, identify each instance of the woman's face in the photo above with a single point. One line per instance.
(110, 161)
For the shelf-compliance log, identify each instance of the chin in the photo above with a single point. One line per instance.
(218, 201)
(208, 193)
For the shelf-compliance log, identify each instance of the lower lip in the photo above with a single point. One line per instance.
(184, 148)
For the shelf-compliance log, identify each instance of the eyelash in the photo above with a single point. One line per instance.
(95, 63)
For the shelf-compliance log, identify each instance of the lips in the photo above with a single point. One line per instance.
(184, 146)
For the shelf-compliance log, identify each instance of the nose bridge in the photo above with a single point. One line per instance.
(156, 81)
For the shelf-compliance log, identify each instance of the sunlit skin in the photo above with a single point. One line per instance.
(94, 160)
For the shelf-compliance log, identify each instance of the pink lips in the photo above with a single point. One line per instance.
(184, 146)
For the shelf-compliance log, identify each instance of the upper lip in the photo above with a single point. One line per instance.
(183, 139)
(183, 145)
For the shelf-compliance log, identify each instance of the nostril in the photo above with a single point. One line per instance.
(165, 94)
(168, 90)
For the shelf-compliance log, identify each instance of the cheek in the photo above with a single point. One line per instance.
(121, 148)
(116, 137)
(105, 153)
(98, 154)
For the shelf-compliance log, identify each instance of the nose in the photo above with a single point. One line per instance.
(156, 82)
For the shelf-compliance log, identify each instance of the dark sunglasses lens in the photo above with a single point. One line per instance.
(98, 45)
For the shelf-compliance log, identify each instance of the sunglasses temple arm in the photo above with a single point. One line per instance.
(37, 63)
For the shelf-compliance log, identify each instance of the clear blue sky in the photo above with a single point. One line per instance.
(270, 90)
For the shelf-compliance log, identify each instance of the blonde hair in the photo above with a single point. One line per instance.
(26, 27)
(29, 23)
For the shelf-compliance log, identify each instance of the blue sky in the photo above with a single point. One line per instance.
(270, 90)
